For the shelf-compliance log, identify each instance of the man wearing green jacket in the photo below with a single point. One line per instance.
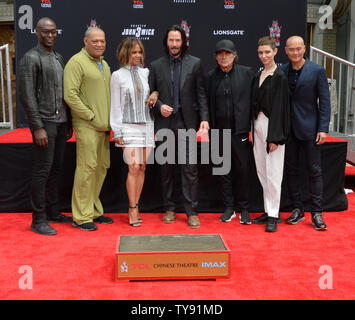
(87, 92)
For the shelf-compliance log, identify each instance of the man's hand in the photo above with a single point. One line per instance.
(204, 127)
(69, 133)
(166, 111)
(41, 137)
(321, 137)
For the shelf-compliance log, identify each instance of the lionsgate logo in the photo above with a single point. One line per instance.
(138, 4)
(139, 31)
(46, 3)
(228, 32)
(229, 4)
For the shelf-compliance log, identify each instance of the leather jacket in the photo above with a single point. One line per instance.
(37, 87)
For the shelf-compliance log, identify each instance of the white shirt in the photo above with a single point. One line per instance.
(128, 104)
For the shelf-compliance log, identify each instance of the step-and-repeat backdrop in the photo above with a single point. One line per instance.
(204, 21)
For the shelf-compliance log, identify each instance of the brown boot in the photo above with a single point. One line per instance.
(169, 217)
(193, 222)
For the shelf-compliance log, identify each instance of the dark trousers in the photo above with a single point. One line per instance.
(313, 161)
(46, 171)
(240, 165)
(189, 174)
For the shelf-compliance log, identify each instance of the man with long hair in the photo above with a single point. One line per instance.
(182, 105)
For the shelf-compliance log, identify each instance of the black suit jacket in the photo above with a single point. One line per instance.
(193, 99)
(241, 79)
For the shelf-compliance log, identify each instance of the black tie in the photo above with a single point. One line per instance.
(176, 84)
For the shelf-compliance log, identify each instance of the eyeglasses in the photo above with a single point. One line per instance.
(47, 32)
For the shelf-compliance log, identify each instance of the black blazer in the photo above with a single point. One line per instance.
(193, 99)
(242, 78)
(277, 102)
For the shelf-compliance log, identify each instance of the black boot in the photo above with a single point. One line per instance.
(263, 219)
(271, 225)
(41, 226)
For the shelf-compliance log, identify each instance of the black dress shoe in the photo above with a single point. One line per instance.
(263, 219)
(43, 228)
(271, 225)
(87, 226)
(58, 217)
(318, 222)
(103, 220)
(296, 217)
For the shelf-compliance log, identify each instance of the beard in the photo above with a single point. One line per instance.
(174, 51)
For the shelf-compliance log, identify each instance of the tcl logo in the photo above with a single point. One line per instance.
(46, 3)
(140, 266)
(229, 4)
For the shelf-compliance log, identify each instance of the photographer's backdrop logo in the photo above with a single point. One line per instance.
(229, 4)
(93, 24)
(46, 3)
(140, 31)
(184, 1)
(275, 31)
(184, 25)
(138, 4)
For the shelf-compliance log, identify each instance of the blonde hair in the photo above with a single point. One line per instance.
(125, 48)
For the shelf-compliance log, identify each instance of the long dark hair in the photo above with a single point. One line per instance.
(184, 47)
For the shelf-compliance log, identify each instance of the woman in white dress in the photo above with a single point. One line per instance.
(130, 118)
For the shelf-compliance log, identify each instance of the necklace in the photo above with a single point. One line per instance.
(270, 70)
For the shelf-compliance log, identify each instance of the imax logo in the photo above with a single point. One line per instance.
(221, 264)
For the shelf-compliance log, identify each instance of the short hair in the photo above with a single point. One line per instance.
(125, 48)
(267, 41)
(91, 29)
(184, 47)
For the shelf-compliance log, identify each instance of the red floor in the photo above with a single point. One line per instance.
(80, 265)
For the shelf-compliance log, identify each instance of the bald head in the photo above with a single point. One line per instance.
(45, 21)
(295, 40)
(46, 32)
(295, 50)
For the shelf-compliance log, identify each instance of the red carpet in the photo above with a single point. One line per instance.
(80, 265)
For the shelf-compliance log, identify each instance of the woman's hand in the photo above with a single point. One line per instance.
(119, 140)
(272, 147)
(152, 99)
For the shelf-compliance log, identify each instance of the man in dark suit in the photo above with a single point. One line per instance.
(310, 116)
(182, 104)
(229, 93)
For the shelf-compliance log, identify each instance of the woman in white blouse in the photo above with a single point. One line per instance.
(130, 118)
